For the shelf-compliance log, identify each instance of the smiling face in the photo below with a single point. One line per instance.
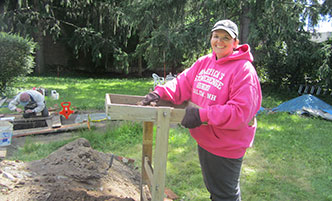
(222, 43)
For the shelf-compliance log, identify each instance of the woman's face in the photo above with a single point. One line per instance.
(222, 43)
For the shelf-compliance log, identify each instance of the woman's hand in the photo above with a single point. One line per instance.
(191, 119)
(150, 97)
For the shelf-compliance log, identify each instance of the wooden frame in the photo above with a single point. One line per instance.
(125, 107)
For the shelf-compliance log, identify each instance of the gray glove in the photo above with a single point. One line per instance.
(150, 97)
(191, 119)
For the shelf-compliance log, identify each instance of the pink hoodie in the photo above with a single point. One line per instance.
(229, 94)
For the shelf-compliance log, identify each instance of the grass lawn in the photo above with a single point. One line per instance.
(291, 157)
(84, 93)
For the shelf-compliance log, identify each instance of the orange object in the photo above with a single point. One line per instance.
(66, 111)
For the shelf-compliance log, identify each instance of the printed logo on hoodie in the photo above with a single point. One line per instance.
(207, 78)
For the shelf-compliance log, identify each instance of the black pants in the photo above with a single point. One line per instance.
(221, 176)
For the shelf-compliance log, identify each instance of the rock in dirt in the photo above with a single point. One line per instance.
(73, 172)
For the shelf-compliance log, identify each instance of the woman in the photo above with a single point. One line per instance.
(225, 86)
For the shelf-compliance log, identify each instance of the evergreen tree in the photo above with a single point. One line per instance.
(157, 34)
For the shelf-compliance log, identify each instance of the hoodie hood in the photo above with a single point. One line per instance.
(242, 52)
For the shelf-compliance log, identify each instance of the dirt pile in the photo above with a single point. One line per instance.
(73, 172)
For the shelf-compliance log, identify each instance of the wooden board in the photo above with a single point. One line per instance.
(133, 100)
(125, 107)
(147, 151)
(21, 119)
(46, 130)
(49, 123)
(3, 152)
(56, 121)
(160, 156)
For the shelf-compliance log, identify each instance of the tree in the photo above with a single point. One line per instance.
(16, 58)
(175, 33)
(282, 46)
(98, 28)
(157, 25)
(170, 35)
(325, 64)
(326, 8)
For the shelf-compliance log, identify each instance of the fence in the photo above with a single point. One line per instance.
(314, 90)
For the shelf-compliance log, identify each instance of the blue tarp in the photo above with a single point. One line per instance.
(304, 101)
(260, 110)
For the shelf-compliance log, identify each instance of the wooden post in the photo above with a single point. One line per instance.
(124, 107)
(146, 152)
(160, 157)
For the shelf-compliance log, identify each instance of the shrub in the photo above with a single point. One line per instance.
(16, 58)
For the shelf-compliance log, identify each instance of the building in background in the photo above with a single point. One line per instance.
(321, 37)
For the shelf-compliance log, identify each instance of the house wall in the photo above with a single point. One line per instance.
(321, 37)
(55, 54)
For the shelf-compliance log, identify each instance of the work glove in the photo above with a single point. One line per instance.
(191, 118)
(150, 97)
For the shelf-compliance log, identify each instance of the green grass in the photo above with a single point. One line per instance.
(83, 93)
(291, 157)
(35, 151)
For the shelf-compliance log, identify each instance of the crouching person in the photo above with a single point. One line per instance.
(32, 101)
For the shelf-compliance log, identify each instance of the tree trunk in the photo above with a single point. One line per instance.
(40, 62)
(2, 8)
(244, 23)
(140, 68)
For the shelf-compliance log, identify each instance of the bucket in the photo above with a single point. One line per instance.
(6, 132)
(54, 95)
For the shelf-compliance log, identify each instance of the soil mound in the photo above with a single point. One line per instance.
(73, 172)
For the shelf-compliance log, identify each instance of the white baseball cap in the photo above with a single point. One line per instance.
(228, 26)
